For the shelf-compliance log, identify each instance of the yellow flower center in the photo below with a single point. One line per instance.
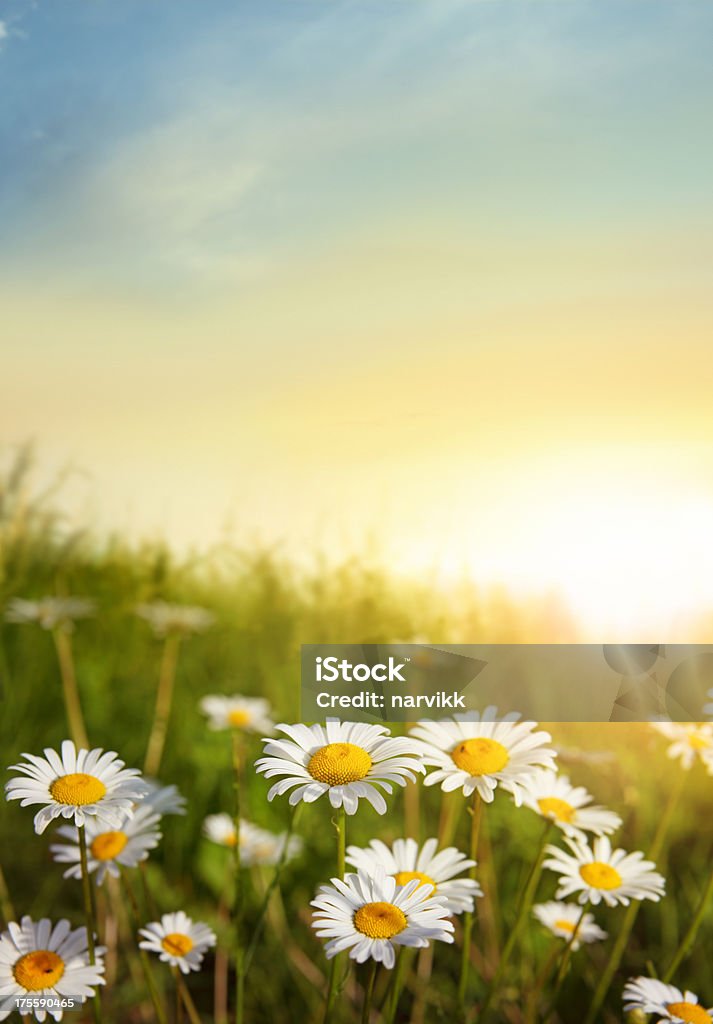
(691, 1012)
(600, 875)
(553, 807)
(564, 926)
(238, 717)
(402, 877)
(698, 740)
(108, 845)
(77, 789)
(480, 756)
(38, 970)
(380, 920)
(339, 763)
(177, 944)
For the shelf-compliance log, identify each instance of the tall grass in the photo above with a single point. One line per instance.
(265, 608)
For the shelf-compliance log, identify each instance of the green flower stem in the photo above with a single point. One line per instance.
(613, 962)
(689, 938)
(274, 882)
(70, 689)
(179, 1001)
(186, 998)
(88, 912)
(164, 700)
(368, 993)
(145, 963)
(339, 822)
(6, 908)
(476, 812)
(238, 896)
(451, 807)
(632, 910)
(541, 980)
(564, 962)
(525, 902)
(664, 824)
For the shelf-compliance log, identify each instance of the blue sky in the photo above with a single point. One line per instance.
(302, 121)
(273, 265)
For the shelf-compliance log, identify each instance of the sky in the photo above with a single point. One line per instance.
(430, 275)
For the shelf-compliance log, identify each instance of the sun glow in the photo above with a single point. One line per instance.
(628, 556)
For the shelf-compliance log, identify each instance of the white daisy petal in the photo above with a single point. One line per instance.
(108, 850)
(257, 845)
(562, 918)
(479, 752)
(178, 941)
(666, 1001)
(50, 612)
(248, 714)
(690, 741)
(166, 618)
(107, 794)
(345, 760)
(364, 914)
(38, 959)
(600, 874)
(423, 867)
(570, 807)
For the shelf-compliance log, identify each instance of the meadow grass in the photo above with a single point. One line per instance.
(265, 608)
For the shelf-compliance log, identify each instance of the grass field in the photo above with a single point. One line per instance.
(264, 609)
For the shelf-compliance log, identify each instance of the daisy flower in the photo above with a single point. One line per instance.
(82, 785)
(561, 919)
(689, 740)
(600, 873)
(166, 618)
(163, 799)
(666, 1001)
(39, 959)
(370, 915)
(178, 940)
(479, 752)
(108, 851)
(252, 714)
(405, 860)
(50, 612)
(257, 845)
(569, 807)
(346, 760)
